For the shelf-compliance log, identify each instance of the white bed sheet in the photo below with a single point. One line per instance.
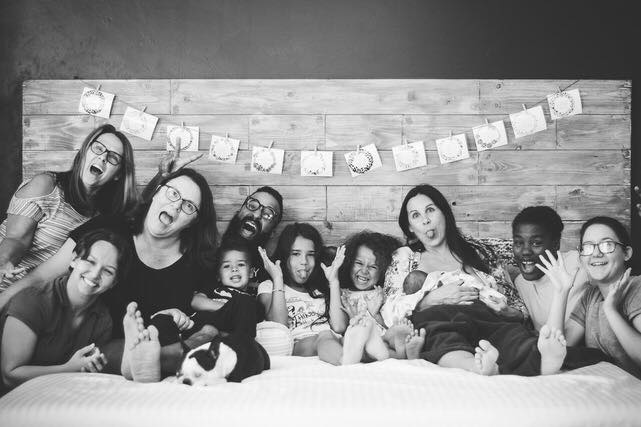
(307, 392)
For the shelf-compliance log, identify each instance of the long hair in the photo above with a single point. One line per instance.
(382, 245)
(316, 285)
(199, 240)
(464, 251)
(117, 196)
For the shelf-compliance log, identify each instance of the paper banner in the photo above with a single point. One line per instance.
(223, 149)
(268, 160)
(490, 135)
(188, 136)
(409, 156)
(363, 160)
(95, 102)
(452, 148)
(316, 163)
(565, 104)
(138, 123)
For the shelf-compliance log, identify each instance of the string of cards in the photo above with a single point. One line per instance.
(563, 103)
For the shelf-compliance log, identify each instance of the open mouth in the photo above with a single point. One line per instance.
(165, 218)
(249, 228)
(235, 278)
(95, 170)
(527, 266)
(430, 234)
(89, 283)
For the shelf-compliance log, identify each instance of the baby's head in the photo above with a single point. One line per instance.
(234, 263)
(414, 282)
(101, 257)
(367, 256)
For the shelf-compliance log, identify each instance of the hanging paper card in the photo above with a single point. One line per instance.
(565, 104)
(363, 160)
(490, 135)
(409, 156)
(528, 121)
(268, 160)
(138, 123)
(452, 148)
(223, 149)
(187, 135)
(96, 102)
(316, 163)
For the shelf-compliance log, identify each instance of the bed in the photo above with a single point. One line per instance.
(313, 393)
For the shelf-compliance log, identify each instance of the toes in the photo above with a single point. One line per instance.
(153, 333)
(131, 308)
(545, 331)
(422, 333)
(485, 345)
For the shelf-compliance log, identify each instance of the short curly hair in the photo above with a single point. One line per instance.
(383, 246)
(543, 216)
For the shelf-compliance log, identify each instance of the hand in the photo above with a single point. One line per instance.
(375, 300)
(331, 272)
(85, 358)
(497, 304)
(350, 309)
(274, 270)
(555, 269)
(9, 271)
(453, 293)
(95, 362)
(616, 292)
(171, 161)
(182, 321)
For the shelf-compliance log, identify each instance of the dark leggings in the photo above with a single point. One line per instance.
(238, 316)
(460, 328)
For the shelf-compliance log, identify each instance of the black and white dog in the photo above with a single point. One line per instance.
(227, 357)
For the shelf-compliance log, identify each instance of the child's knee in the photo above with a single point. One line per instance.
(275, 338)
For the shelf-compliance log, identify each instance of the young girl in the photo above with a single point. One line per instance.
(298, 296)
(229, 306)
(59, 327)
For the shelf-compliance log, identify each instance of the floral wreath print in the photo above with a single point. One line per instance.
(407, 157)
(314, 164)
(186, 138)
(93, 101)
(360, 161)
(263, 159)
(451, 149)
(222, 150)
(526, 123)
(562, 104)
(136, 122)
(489, 136)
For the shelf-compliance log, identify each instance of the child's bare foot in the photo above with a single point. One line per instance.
(354, 340)
(375, 347)
(144, 357)
(414, 343)
(551, 345)
(133, 326)
(485, 359)
(397, 333)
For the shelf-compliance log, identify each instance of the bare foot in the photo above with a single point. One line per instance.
(133, 326)
(375, 347)
(485, 359)
(414, 343)
(397, 333)
(551, 345)
(354, 340)
(144, 357)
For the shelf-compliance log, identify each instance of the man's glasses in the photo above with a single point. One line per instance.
(187, 206)
(267, 212)
(605, 247)
(112, 157)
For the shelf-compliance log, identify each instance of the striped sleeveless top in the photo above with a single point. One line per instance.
(56, 219)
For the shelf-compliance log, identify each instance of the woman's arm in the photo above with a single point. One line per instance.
(629, 335)
(18, 344)
(452, 293)
(274, 302)
(200, 302)
(54, 267)
(337, 317)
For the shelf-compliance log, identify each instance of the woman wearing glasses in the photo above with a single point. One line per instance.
(608, 316)
(47, 207)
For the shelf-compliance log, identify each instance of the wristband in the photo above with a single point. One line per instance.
(278, 290)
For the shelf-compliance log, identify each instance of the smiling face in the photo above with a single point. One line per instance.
(365, 272)
(604, 268)
(96, 170)
(301, 260)
(165, 217)
(529, 241)
(252, 223)
(426, 220)
(97, 272)
(234, 269)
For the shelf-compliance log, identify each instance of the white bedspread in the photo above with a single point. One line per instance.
(307, 392)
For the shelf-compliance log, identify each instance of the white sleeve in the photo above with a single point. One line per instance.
(265, 287)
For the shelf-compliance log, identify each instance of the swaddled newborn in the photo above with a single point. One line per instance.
(417, 283)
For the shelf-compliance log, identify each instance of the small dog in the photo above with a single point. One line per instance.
(227, 357)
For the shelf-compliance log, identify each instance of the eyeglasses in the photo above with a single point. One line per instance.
(605, 247)
(187, 206)
(267, 212)
(112, 157)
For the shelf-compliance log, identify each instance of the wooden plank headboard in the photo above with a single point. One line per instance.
(580, 165)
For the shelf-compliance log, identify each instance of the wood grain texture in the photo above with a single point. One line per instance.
(289, 132)
(55, 132)
(594, 132)
(351, 130)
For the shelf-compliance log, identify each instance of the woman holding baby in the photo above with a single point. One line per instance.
(463, 313)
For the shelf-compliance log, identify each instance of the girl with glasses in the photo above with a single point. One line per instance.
(607, 317)
(48, 206)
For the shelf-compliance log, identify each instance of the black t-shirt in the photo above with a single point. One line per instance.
(153, 289)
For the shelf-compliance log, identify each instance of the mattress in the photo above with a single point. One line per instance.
(309, 392)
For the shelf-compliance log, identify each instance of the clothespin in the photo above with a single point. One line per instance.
(98, 87)
(271, 144)
(358, 148)
(316, 149)
(486, 122)
(524, 107)
(182, 124)
(559, 88)
(144, 107)
(451, 134)
(227, 135)
(404, 140)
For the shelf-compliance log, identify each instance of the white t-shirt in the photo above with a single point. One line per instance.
(538, 294)
(302, 311)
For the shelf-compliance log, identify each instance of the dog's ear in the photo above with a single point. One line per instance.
(214, 347)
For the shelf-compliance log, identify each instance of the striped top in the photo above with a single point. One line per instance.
(56, 219)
